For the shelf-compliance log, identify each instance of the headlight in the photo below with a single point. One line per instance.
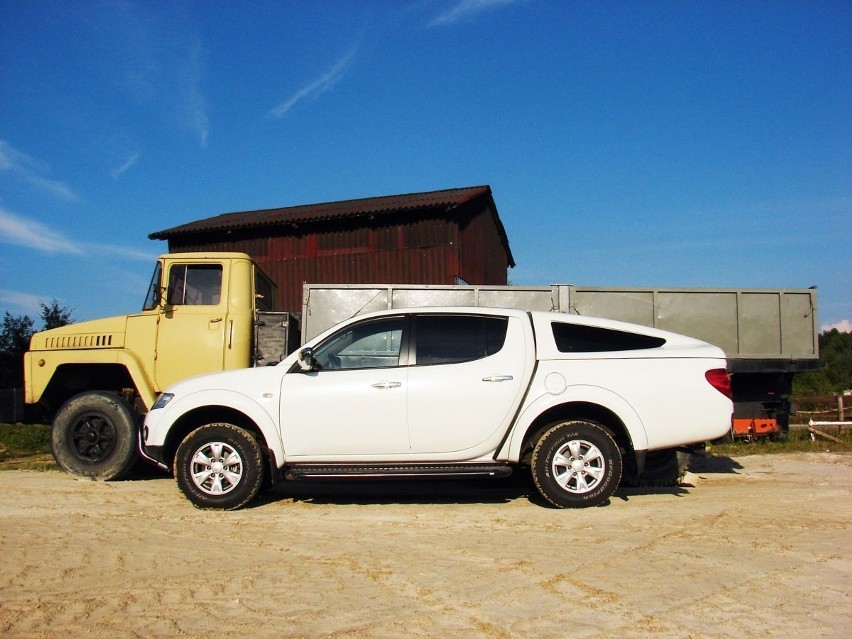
(162, 400)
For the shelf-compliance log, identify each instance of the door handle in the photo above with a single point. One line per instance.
(498, 378)
(385, 384)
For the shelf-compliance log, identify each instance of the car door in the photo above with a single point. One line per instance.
(466, 383)
(354, 402)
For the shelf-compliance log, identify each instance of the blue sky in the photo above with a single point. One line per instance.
(627, 143)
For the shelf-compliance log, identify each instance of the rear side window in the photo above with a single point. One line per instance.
(450, 339)
(576, 338)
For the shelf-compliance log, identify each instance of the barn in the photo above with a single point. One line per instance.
(452, 236)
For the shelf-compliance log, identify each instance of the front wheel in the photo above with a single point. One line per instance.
(219, 466)
(94, 435)
(576, 464)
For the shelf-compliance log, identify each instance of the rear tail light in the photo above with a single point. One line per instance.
(718, 378)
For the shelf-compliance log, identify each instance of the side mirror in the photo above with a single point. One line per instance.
(306, 359)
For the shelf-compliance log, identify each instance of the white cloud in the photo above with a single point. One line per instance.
(322, 84)
(192, 99)
(29, 303)
(124, 167)
(123, 252)
(21, 231)
(465, 9)
(30, 171)
(844, 326)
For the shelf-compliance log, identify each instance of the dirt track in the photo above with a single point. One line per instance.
(760, 547)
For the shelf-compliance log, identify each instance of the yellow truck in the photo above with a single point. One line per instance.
(202, 313)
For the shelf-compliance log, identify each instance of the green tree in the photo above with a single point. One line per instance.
(54, 315)
(15, 340)
(835, 367)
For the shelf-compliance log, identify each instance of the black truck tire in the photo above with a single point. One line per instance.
(94, 435)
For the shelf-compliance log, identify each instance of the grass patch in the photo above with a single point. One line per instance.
(799, 440)
(25, 447)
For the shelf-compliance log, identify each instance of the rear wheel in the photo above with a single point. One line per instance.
(576, 464)
(219, 466)
(94, 435)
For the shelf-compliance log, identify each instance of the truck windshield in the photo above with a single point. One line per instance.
(152, 299)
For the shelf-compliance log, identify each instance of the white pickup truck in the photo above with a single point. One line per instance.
(443, 392)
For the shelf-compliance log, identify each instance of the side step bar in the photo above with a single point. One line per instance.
(394, 471)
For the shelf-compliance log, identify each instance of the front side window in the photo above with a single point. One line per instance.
(450, 339)
(577, 338)
(370, 344)
(195, 284)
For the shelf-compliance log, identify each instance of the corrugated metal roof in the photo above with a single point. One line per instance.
(449, 199)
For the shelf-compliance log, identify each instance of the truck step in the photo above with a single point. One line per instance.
(394, 471)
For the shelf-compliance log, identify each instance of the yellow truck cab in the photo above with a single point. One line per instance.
(96, 378)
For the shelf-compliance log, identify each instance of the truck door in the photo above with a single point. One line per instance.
(192, 324)
(467, 383)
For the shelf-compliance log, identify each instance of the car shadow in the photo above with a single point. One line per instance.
(410, 491)
(714, 464)
(432, 491)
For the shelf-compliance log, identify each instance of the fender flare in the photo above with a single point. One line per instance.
(54, 360)
(597, 395)
(232, 400)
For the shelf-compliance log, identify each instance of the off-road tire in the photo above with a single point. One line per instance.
(576, 464)
(219, 466)
(94, 435)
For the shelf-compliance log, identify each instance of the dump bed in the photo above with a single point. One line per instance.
(748, 324)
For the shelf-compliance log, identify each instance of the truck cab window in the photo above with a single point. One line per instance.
(195, 284)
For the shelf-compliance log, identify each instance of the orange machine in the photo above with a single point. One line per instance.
(752, 428)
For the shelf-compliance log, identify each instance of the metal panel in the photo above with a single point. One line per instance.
(327, 304)
(415, 297)
(710, 316)
(759, 323)
(625, 305)
(799, 323)
(745, 323)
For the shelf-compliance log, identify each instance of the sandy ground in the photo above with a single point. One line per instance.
(757, 547)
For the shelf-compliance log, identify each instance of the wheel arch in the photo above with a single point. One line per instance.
(72, 379)
(248, 420)
(606, 409)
